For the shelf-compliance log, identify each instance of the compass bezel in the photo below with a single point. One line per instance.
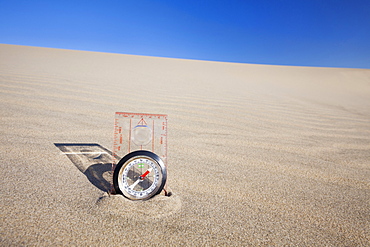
(119, 179)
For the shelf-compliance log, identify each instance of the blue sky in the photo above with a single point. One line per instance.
(322, 33)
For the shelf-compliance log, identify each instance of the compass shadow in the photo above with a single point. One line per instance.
(93, 160)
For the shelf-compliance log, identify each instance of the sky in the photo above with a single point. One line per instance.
(319, 33)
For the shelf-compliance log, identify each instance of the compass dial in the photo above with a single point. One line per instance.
(139, 175)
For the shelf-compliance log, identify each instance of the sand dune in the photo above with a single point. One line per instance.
(258, 155)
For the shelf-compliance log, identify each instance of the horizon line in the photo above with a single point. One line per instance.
(192, 59)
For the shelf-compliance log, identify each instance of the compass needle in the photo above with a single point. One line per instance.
(141, 178)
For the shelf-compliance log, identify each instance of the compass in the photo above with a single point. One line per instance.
(139, 175)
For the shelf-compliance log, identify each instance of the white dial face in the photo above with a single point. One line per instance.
(139, 177)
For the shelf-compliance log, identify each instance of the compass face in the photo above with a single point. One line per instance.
(139, 175)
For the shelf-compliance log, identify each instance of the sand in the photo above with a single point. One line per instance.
(258, 155)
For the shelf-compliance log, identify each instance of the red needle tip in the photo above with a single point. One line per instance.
(144, 175)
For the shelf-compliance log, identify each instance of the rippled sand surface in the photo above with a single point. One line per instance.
(258, 155)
